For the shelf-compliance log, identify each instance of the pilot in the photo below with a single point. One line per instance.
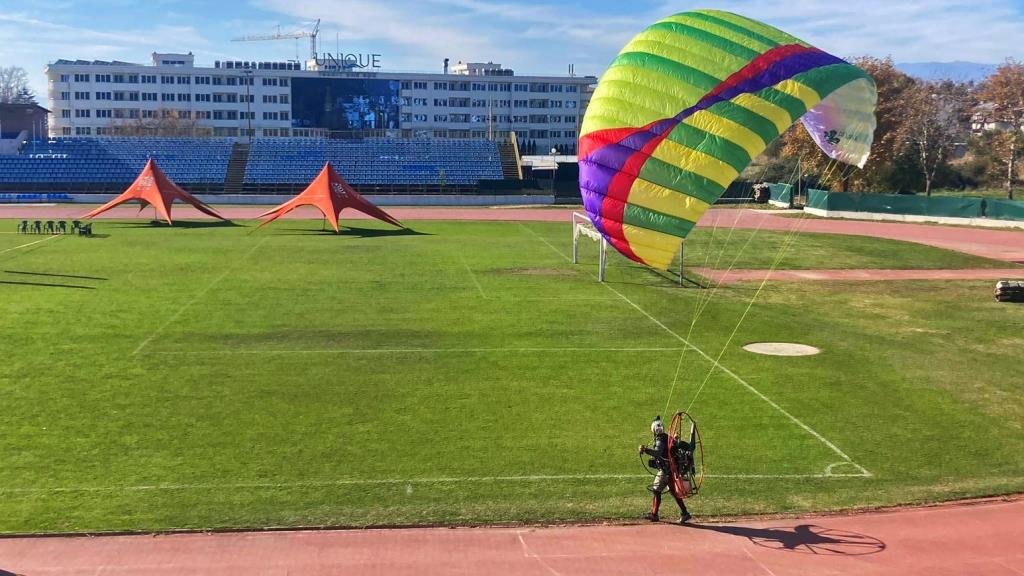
(659, 460)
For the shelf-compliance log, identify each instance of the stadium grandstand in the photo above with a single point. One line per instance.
(265, 166)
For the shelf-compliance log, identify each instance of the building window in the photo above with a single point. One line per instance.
(283, 98)
(202, 97)
(66, 131)
(440, 85)
(148, 79)
(283, 83)
(184, 79)
(419, 85)
(555, 88)
(83, 131)
(65, 77)
(167, 97)
(103, 78)
(65, 96)
(83, 113)
(149, 96)
(522, 87)
(103, 114)
(440, 102)
(285, 115)
(104, 96)
(202, 115)
(118, 78)
(232, 81)
(81, 95)
(184, 97)
(440, 117)
(571, 88)
(203, 80)
(119, 97)
(65, 113)
(570, 103)
(270, 98)
(81, 77)
(133, 78)
(149, 114)
(419, 117)
(167, 79)
(479, 87)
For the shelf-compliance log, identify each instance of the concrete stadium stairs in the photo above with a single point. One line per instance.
(236, 168)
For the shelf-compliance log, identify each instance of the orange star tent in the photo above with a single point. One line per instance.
(153, 187)
(330, 194)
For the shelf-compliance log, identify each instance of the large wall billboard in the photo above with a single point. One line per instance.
(345, 103)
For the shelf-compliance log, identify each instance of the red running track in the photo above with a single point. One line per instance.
(732, 276)
(998, 244)
(980, 538)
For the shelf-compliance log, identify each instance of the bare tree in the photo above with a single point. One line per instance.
(1003, 92)
(13, 84)
(937, 117)
(165, 123)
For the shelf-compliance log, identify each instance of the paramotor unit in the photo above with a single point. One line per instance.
(685, 454)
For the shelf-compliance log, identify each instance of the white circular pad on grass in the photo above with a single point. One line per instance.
(781, 349)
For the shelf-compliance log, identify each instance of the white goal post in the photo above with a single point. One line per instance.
(582, 226)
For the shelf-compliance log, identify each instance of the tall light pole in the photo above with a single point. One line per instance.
(248, 104)
(554, 169)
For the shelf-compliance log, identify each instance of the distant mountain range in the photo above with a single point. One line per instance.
(956, 71)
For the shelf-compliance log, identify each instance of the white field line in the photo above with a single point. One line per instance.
(410, 351)
(30, 243)
(473, 276)
(400, 482)
(732, 374)
(198, 296)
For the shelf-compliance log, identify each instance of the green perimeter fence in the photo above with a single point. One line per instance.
(944, 206)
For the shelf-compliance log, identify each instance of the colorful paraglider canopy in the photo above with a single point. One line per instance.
(686, 106)
(330, 194)
(153, 188)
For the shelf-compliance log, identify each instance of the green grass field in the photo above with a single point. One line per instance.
(214, 377)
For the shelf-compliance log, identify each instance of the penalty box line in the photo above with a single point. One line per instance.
(408, 351)
(718, 365)
(30, 244)
(407, 481)
(198, 296)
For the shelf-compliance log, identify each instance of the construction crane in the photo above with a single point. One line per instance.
(287, 36)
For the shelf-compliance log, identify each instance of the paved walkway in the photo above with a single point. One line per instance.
(977, 539)
(733, 276)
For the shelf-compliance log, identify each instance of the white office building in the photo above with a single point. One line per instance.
(285, 99)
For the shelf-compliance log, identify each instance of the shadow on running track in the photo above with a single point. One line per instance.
(803, 539)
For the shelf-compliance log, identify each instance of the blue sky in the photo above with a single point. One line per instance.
(530, 36)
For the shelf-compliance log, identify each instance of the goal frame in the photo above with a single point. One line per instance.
(582, 226)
